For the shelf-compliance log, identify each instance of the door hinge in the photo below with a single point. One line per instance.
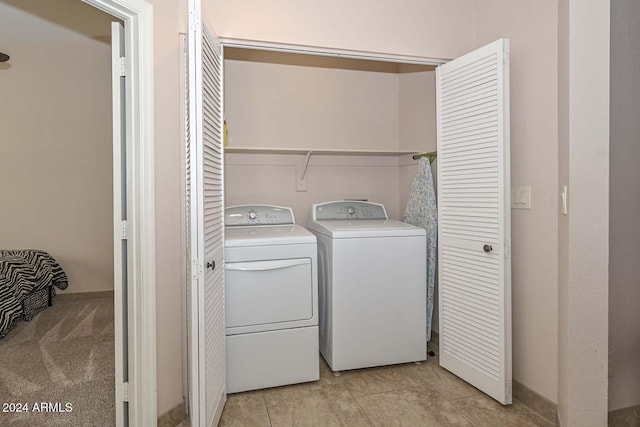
(197, 269)
(124, 387)
(123, 230)
(194, 22)
(123, 68)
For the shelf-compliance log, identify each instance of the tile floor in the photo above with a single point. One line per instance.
(402, 395)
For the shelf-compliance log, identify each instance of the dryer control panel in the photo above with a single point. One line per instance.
(243, 215)
(346, 209)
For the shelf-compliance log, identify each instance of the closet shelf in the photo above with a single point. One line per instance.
(321, 151)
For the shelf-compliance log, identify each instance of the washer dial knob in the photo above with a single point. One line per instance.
(350, 210)
(252, 215)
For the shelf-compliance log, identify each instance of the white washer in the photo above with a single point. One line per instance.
(372, 286)
(271, 290)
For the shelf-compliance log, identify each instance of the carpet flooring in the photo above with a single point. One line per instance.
(62, 361)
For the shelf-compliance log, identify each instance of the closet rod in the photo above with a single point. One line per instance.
(431, 155)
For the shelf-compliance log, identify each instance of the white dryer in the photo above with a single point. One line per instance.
(271, 299)
(372, 286)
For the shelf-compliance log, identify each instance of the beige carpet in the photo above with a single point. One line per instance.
(63, 356)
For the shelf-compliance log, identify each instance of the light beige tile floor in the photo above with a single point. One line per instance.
(402, 395)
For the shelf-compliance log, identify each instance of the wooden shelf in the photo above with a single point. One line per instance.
(320, 151)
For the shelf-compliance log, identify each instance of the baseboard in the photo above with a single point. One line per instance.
(82, 295)
(625, 417)
(541, 405)
(173, 417)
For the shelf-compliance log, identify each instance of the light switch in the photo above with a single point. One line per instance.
(521, 197)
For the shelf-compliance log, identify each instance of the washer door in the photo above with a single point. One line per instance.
(268, 292)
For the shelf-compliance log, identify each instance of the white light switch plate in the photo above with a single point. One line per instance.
(564, 196)
(521, 197)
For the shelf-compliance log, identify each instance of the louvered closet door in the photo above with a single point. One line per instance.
(474, 219)
(207, 367)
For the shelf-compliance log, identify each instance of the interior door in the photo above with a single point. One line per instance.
(206, 222)
(120, 263)
(474, 218)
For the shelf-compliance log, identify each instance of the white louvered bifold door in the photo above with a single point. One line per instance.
(474, 219)
(205, 127)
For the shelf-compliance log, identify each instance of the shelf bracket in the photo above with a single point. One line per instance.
(306, 165)
(301, 179)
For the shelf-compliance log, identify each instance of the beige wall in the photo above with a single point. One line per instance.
(417, 110)
(431, 28)
(534, 147)
(417, 124)
(624, 208)
(169, 21)
(584, 28)
(308, 102)
(294, 101)
(301, 101)
(270, 179)
(55, 149)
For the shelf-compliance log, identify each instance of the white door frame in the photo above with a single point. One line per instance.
(138, 22)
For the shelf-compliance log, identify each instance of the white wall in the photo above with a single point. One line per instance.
(534, 147)
(624, 208)
(56, 150)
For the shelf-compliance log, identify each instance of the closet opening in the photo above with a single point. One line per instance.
(300, 129)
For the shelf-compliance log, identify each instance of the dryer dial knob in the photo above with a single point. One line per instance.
(351, 210)
(253, 215)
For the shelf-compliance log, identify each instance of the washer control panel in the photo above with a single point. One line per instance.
(347, 209)
(258, 215)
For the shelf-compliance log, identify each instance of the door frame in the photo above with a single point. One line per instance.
(137, 16)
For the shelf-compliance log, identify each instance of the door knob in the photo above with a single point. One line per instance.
(211, 265)
(487, 248)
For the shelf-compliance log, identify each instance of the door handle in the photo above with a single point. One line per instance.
(487, 248)
(211, 265)
(266, 265)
